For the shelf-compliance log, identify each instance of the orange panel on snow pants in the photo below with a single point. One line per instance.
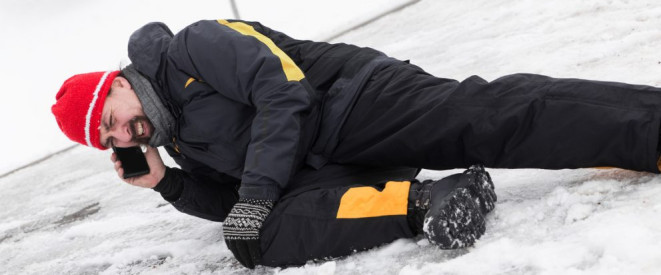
(367, 202)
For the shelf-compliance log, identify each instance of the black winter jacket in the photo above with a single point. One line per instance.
(252, 105)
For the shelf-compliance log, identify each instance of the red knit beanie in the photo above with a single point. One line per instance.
(79, 104)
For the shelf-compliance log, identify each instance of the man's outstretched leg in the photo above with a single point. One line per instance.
(406, 117)
(337, 221)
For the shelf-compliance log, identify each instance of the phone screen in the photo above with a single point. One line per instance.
(133, 161)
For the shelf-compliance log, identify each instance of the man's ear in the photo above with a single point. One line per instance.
(121, 82)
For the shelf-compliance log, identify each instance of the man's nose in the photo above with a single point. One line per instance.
(121, 136)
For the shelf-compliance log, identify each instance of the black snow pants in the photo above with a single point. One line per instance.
(407, 117)
(335, 211)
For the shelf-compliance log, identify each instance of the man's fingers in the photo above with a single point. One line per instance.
(142, 181)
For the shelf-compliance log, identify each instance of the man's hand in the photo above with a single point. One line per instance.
(241, 230)
(156, 169)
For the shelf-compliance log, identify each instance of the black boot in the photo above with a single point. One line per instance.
(450, 212)
(481, 187)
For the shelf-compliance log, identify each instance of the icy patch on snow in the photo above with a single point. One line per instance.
(578, 212)
(327, 268)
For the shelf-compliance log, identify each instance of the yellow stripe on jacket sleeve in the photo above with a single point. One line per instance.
(292, 71)
(367, 202)
(190, 80)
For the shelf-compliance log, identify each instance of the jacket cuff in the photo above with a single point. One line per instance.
(171, 185)
(259, 192)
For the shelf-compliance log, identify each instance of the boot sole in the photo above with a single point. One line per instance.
(482, 188)
(458, 223)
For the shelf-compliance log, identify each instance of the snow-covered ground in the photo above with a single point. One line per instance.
(70, 215)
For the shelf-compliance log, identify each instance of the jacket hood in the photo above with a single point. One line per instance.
(148, 47)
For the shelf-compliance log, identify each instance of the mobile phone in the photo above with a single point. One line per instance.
(133, 161)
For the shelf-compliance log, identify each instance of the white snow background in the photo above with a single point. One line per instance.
(70, 214)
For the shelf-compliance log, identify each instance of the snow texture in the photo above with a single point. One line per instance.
(71, 215)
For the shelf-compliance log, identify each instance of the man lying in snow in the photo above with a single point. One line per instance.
(266, 127)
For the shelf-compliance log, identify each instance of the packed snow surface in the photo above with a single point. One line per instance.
(71, 215)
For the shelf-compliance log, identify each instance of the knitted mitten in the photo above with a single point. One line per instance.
(241, 230)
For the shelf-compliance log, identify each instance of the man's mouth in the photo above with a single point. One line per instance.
(140, 130)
